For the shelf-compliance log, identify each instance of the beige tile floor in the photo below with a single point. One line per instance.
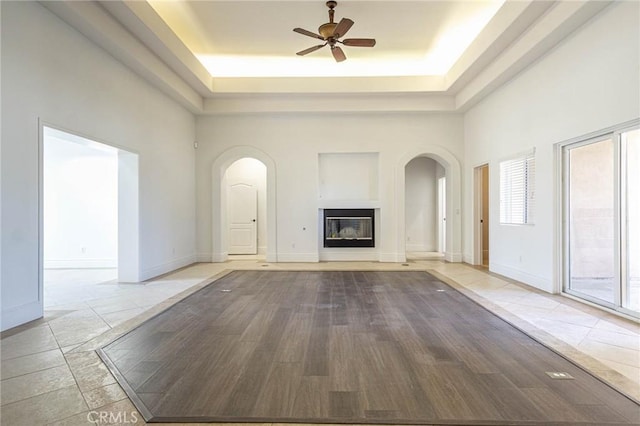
(50, 373)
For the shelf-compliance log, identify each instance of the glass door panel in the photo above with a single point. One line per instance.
(591, 221)
(631, 179)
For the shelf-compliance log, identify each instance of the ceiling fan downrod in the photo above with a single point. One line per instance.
(326, 30)
(331, 5)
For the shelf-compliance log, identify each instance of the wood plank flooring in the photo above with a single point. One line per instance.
(349, 347)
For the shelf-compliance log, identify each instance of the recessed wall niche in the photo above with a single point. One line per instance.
(348, 176)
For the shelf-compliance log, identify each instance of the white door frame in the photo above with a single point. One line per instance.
(561, 208)
(442, 214)
(477, 214)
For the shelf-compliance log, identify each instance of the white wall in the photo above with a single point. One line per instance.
(52, 73)
(80, 205)
(294, 142)
(421, 198)
(588, 82)
(348, 176)
(253, 172)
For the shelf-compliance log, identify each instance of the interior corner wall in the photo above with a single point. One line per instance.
(587, 83)
(52, 74)
(294, 142)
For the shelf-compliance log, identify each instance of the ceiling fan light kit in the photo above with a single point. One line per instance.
(331, 32)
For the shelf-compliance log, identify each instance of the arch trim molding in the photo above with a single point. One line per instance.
(453, 175)
(218, 200)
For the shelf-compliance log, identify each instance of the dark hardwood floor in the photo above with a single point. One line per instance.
(349, 347)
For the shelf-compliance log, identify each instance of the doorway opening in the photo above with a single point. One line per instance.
(89, 216)
(425, 207)
(245, 181)
(481, 215)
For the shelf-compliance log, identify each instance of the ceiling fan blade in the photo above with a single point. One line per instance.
(308, 33)
(359, 42)
(342, 27)
(311, 49)
(338, 54)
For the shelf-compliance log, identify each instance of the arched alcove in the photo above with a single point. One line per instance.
(218, 210)
(451, 165)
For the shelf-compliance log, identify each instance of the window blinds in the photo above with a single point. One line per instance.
(517, 190)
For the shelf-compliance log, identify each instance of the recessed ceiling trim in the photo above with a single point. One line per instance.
(554, 26)
(518, 34)
(505, 27)
(90, 19)
(315, 103)
(143, 21)
(329, 84)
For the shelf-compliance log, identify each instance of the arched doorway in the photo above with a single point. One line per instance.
(453, 197)
(425, 213)
(220, 233)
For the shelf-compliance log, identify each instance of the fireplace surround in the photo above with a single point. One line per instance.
(349, 228)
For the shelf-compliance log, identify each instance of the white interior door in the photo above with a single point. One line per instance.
(242, 204)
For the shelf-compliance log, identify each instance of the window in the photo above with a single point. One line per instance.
(517, 190)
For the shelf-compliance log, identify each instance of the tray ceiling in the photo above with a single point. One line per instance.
(239, 56)
(255, 38)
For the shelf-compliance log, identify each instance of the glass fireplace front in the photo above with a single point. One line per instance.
(349, 228)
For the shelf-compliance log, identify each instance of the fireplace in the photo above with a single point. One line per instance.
(349, 228)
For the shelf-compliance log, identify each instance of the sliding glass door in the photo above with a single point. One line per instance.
(602, 220)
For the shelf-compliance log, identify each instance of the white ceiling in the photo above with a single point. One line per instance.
(255, 38)
(239, 56)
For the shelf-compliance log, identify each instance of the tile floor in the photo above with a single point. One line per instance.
(50, 373)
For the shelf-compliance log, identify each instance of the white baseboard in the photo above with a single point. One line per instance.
(80, 263)
(298, 257)
(419, 247)
(524, 277)
(348, 256)
(392, 257)
(453, 257)
(167, 267)
(18, 315)
(467, 258)
(262, 250)
(203, 257)
(271, 257)
(219, 257)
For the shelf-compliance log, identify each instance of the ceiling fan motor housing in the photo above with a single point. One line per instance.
(326, 30)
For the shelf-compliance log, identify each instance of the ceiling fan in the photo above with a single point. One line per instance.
(330, 34)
